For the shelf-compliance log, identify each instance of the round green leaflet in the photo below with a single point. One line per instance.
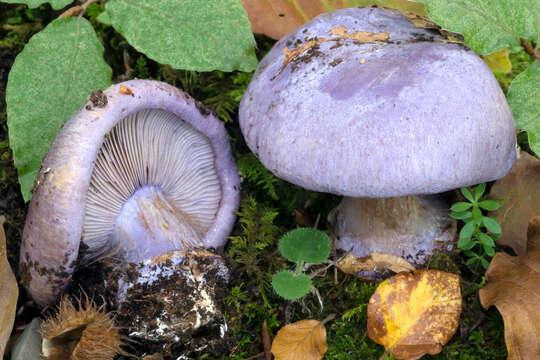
(289, 286)
(305, 244)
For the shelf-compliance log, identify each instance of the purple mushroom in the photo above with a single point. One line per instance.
(139, 170)
(359, 102)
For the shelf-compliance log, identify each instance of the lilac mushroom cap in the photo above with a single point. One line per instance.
(359, 102)
(139, 170)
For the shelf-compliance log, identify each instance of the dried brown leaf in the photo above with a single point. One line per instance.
(513, 286)
(421, 21)
(276, 18)
(305, 339)
(520, 188)
(9, 293)
(415, 314)
(351, 264)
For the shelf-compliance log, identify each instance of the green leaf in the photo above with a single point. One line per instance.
(289, 286)
(479, 191)
(460, 206)
(199, 35)
(524, 99)
(485, 263)
(50, 79)
(104, 18)
(490, 250)
(467, 194)
(489, 205)
(486, 240)
(465, 243)
(305, 244)
(487, 25)
(477, 215)
(56, 4)
(462, 215)
(471, 261)
(467, 231)
(492, 225)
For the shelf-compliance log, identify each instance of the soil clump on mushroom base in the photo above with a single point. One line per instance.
(174, 307)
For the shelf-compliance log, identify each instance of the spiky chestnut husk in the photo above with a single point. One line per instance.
(82, 332)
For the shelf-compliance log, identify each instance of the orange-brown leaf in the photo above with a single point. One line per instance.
(520, 187)
(9, 292)
(305, 339)
(276, 18)
(415, 314)
(513, 286)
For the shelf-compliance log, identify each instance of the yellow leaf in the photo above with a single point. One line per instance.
(276, 18)
(305, 339)
(513, 286)
(415, 314)
(9, 292)
(499, 62)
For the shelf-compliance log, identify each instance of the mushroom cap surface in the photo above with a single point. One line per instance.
(359, 102)
(54, 225)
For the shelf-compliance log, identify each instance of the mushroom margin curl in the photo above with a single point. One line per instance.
(54, 224)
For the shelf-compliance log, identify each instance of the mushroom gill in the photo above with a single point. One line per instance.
(154, 187)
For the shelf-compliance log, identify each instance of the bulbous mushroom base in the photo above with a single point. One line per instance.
(170, 297)
(412, 227)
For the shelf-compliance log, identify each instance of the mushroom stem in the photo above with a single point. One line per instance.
(150, 225)
(413, 227)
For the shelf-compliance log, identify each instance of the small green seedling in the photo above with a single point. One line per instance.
(478, 235)
(301, 246)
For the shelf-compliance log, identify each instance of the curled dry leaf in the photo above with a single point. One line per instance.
(9, 292)
(276, 18)
(305, 339)
(520, 188)
(513, 286)
(351, 264)
(415, 314)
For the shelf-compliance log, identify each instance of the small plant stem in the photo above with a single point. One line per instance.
(299, 265)
(78, 9)
(530, 50)
(256, 356)
(334, 251)
(267, 342)
(328, 318)
(316, 224)
(384, 355)
(332, 263)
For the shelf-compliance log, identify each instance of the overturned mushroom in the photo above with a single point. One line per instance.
(361, 103)
(140, 170)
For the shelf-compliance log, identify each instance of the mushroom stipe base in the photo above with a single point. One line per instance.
(412, 227)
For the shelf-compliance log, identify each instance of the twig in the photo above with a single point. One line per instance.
(328, 318)
(256, 356)
(316, 225)
(334, 252)
(78, 9)
(267, 343)
(323, 269)
(529, 49)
